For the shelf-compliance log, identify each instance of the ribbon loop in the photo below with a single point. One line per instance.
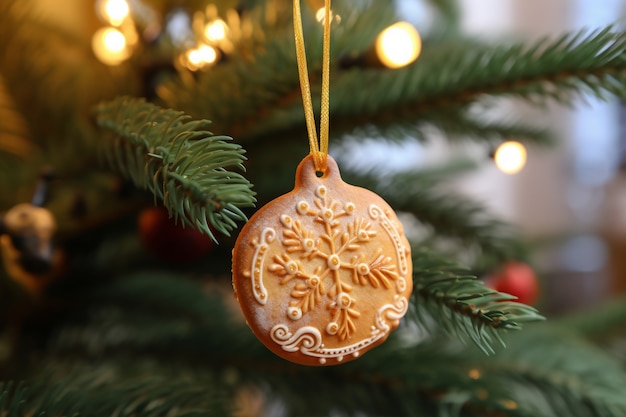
(318, 150)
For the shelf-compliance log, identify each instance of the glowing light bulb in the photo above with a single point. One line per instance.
(113, 11)
(399, 45)
(109, 45)
(200, 57)
(216, 30)
(510, 157)
(320, 15)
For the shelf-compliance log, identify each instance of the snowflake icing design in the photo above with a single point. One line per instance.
(329, 283)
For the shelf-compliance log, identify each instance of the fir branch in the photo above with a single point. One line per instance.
(444, 83)
(579, 63)
(456, 123)
(107, 389)
(450, 216)
(461, 304)
(165, 153)
(259, 90)
(551, 383)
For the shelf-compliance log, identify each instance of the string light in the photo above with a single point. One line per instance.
(110, 46)
(320, 15)
(200, 57)
(216, 30)
(399, 45)
(510, 157)
(113, 11)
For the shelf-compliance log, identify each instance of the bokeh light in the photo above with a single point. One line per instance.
(109, 46)
(113, 11)
(399, 45)
(510, 157)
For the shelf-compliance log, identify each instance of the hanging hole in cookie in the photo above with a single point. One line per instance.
(319, 174)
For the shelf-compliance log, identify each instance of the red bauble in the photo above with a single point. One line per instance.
(518, 279)
(169, 241)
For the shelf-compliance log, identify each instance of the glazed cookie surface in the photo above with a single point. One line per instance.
(323, 273)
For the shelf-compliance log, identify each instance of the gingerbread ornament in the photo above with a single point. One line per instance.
(323, 273)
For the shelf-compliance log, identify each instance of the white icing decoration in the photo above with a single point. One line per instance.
(258, 289)
(294, 313)
(334, 263)
(392, 231)
(363, 269)
(344, 300)
(286, 220)
(321, 191)
(302, 207)
(320, 261)
(308, 339)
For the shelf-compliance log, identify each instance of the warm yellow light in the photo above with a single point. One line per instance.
(510, 157)
(320, 15)
(113, 11)
(200, 57)
(109, 46)
(216, 30)
(398, 45)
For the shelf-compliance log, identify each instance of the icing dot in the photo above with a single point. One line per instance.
(356, 354)
(294, 313)
(332, 328)
(334, 263)
(286, 220)
(363, 269)
(328, 214)
(339, 358)
(321, 191)
(313, 282)
(343, 300)
(291, 267)
(302, 207)
(350, 207)
(322, 361)
(309, 244)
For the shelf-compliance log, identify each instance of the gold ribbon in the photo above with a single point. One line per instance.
(319, 150)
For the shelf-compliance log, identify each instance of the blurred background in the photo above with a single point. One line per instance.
(570, 200)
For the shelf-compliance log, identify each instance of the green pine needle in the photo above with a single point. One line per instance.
(563, 69)
(449, 216)
(164, 152)
(455, 301)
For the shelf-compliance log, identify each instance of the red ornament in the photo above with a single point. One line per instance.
(518, 279)
(169, 241)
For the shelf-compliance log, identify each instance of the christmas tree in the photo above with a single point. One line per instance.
(120, 117)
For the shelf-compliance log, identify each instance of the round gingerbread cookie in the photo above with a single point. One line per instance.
(323, 273)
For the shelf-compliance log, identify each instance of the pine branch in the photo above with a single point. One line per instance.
(165, 153)
(259, 90)
(576, 64)
(445, 82)
(456, 123)
(553, 383)
(461, 304)
(105, 390)
(450, 216)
